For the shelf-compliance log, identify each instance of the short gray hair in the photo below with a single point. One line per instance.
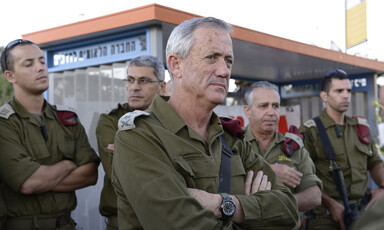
(150, 61)
(181, 39)
(259, 84)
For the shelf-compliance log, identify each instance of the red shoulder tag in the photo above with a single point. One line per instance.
(290, 144)
(232, 126)
(362, 130)
(67, 118)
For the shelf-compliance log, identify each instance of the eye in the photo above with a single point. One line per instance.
(211, 57)
(130, 80)
(229, 61)
(142, 81)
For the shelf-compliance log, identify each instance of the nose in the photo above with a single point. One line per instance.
(223, 70)
(41, 66)
(135, 85)
(346, 94)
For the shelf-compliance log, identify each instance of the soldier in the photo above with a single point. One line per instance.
(45, 154)
(145, 79)
(371, 219)
(166, 167)
(354, 150)
(292, 163)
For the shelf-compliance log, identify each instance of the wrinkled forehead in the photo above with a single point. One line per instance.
(213, 38)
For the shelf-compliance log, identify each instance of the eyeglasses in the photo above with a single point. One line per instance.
(140, 81)
(10, 46)
(337, 72)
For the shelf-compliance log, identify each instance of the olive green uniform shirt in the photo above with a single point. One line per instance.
(300, 159)
(371, 219)
(353, 157)
(24, 149)
(105, 133)
(155, 162)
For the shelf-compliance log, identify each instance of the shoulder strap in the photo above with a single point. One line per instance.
(328, 149)
(225, 168)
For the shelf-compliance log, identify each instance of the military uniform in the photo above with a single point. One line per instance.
(353, 156)
(300, 159)
(371, 219)
(105, 132)
(25, 147)
(155, 162)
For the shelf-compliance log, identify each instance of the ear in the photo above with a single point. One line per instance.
(247, 111)
(324, 96)
(173, 62)
(9, 76)
(162, 88)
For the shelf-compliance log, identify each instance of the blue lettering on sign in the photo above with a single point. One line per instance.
(101, 53)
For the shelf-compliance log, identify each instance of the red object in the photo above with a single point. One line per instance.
(283, 125)
(362, 132)
(67, 118)
(233, 126)
(289, 145)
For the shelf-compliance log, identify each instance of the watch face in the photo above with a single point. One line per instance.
(229, 208)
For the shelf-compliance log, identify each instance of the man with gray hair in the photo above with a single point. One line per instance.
(145, 79)
(285, 153)
(169, 170)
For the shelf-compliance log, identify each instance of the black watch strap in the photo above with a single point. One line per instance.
(381, 186)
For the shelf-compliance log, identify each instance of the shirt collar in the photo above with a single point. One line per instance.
(165, 113)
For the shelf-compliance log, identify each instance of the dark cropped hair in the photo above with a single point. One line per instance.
(333, 74)
(6, 58)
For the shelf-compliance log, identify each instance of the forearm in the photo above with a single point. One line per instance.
(377, 174)
(327, 200)
(212, 202)
(47, 177)
(80, 177)
(308, 199)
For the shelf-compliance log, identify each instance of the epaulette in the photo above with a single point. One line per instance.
(293, 141)
(6, 111)
(67, 115)
(362, 129)
(232, 126)
(126, 122)
(310, 123)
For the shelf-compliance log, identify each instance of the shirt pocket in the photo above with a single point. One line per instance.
(237, 174)
(198, 171)
(363, 153)
(67, 149)
(38, 152)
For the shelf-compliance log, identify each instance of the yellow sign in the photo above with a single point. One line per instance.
(356, 22)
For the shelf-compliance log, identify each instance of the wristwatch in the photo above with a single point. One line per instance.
(228, 207)
(381, 186)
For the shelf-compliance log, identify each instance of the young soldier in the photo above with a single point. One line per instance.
(166, 167)
(354, 152)
(45, 154)
(145, 79)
